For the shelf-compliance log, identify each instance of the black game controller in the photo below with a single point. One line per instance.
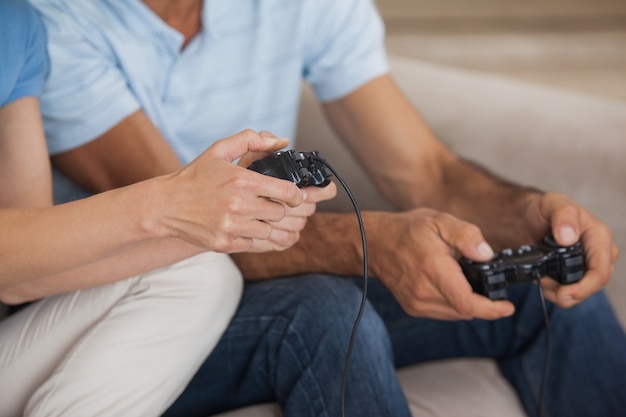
(566, 264)
(302, 168)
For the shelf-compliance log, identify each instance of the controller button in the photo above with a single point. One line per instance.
(497, 294)
(524, 249)
(573, 277)
(576, 260)
(496, 279)
(507, 252)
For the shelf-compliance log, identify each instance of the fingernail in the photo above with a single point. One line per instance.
(485, 251)
(567, 234)
(304, 195)
(567, 298)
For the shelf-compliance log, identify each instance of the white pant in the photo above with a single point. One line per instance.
(124, 349)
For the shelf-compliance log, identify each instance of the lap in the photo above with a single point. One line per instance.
(78, 344)
(309, 307)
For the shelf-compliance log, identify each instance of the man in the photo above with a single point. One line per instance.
(153, 82)
(125, 278)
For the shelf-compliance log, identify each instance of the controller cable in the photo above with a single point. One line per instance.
(546, 365)
(344, 377)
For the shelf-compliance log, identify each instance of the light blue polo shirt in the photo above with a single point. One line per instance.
(111, 57)
(23, 59)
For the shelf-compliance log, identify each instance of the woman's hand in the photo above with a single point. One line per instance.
(214, 203)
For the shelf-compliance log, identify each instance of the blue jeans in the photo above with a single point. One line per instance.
(288, 341)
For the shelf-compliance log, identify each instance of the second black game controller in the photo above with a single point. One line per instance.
(302, 168)
(565, 264)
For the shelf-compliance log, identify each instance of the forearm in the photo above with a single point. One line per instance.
(498, 207)
(413, 168)
(141, 259)
(70, 235)
(329, 243)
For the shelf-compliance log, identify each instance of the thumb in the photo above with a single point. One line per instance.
(235, 146)
(265, 149)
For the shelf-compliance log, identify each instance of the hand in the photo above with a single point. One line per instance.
(223, 207)
(415, 254)
(569, 223)
(286, 232)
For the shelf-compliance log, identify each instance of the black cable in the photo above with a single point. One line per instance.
(344, 377)
(546, 365)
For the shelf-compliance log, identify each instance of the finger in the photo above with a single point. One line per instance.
(465, 237)
(550, 288)
(255, 229)
(253, 155)
(563, 216)
(283, 239)
(279, 240)
(239, 144)
(457, 291)
(276, 189)
(443, 311)
(290, 224)
(303, 210)
(267, 134)
(318, 194)
(240, 244)
(269, 211)
(600, 255)
(592, 282)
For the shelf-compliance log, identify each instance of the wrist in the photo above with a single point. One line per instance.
(153, 207)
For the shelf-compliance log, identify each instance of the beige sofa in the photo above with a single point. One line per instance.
(552, 139)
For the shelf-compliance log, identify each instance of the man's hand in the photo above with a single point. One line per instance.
(569, 222)
(216, 204)
(415, 254)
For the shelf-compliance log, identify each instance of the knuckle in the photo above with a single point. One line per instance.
(421, 294)
(240, 179)
(607, 231)
(469, 232)
(440, 217)
(222, 244)
(287, 240)
(430, 265)
(463, 309)
(300, 223)
(226, 226)
(310, 209)
(290, 190)
(234, 205)
(249, 133)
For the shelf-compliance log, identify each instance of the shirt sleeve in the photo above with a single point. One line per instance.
(345, 48)
(86, 93)
(23, 45)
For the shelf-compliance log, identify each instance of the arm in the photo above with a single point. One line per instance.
(414, 169)
(210, 204)
(141, 152)
(23, 163)
(377, 120)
